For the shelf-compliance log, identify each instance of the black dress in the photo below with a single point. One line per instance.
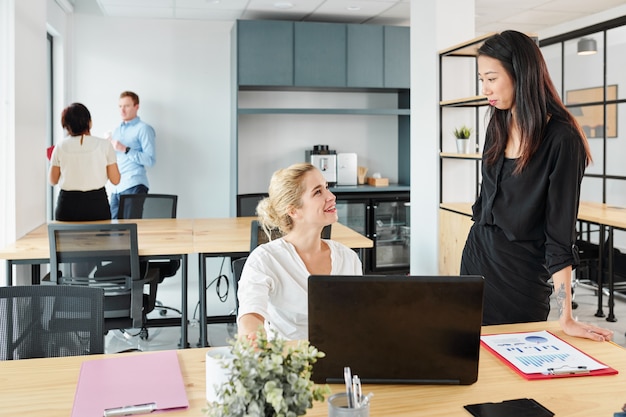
(525, 226)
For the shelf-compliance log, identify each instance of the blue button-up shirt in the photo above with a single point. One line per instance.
(140, 137)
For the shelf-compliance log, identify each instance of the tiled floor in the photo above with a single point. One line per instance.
(218, 334)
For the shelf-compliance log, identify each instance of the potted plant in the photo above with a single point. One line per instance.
(268, 378)
(462, 135)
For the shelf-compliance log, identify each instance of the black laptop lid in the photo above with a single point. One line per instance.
(396, 329)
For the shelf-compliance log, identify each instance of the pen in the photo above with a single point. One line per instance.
(130, 410)
(356, 391)
(347, 376)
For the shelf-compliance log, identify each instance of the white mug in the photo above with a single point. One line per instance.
(216, 373)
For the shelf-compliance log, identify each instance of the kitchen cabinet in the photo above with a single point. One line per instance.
(365, 56)
(265, 53)
(379, 213)
(319, 54)
(343, 104)
(313, 54)
(397, 57)
(384, 217)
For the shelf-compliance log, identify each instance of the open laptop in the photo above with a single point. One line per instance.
(396, 329)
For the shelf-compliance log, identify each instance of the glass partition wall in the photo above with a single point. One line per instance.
(587, 67)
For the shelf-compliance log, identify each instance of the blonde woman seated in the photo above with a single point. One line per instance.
(273, 286)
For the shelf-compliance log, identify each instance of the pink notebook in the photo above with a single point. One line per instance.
(135, 384)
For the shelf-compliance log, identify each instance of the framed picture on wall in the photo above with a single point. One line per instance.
(591, 118)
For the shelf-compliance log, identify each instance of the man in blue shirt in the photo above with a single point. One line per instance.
(134, 143)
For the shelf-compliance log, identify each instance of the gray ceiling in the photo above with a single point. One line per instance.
(529, 16)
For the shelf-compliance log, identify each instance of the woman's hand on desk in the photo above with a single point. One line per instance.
(575, 328)
(249, 324)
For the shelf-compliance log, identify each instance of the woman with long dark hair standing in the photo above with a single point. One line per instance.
(82, 164)
(534, 159)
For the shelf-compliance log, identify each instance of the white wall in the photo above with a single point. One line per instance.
(270, 142)
(23, 127)
(181, 72)
(435, 25)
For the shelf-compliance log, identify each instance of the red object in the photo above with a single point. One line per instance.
(605, 371)
(49, 152)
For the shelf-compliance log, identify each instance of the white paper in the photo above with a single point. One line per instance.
(540, 352)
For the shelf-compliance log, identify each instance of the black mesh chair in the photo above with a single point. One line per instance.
(148, 206)
(258, 235)
(237, 267)
(42, 321)
(153, 206)
(103, 256)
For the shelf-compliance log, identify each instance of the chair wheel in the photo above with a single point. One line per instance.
(574, 305)
(143, 334)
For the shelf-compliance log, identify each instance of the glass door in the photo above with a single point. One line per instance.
(392, 235)
(352, 213)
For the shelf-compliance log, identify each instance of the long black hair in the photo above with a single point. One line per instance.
(536, 98)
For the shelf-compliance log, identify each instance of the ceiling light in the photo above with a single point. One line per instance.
(587, 46)
(353, 8)
(283, 5)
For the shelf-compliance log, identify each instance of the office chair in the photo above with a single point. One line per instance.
(153, 206)
(258, 235)
(148, 206)
(103, 256)
(43, 321)
(237, 267)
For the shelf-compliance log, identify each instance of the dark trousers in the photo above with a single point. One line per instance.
(130, 212)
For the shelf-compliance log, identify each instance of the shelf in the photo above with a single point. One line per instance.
(468, 48)
(474, 156)
(475, 101)
(461, 208)
(367, 112)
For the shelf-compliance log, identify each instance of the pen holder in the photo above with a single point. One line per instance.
(216, 372)
(338, 407)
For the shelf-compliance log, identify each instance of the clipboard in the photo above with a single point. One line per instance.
(549, 342)
(126, 385)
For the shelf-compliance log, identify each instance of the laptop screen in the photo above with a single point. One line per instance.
(396, 329)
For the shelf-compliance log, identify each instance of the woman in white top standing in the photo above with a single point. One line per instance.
(82, 164)
(273, 285)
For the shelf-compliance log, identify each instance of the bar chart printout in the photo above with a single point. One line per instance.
(540, 353)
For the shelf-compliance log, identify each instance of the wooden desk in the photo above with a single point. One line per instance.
(608, 218)
(157, 238)
(231, 237)
(46, 387)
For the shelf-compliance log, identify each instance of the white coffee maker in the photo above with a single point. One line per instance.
(325, 160)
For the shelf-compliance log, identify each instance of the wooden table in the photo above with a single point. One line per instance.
(168, 238)
(157, 239)
(46, 387)
(608, 218)
(231, 237)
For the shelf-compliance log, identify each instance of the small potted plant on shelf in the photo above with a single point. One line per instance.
(268, 378)
(462, 135)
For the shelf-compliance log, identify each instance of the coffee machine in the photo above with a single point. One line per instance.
(325, 160)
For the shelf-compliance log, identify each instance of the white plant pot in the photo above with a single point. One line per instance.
(463, 146)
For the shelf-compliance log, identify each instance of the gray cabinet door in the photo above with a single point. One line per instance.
(365, 56)
(320, 54)
(397, 57)
(265, 52)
